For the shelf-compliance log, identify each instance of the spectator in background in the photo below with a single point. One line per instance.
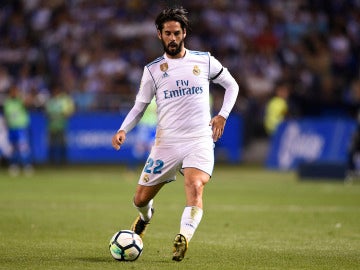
(17, 120)
(84, 100)
(352, 97)
(5, 146)
(5, 83)
(58, 109)
(277, 109)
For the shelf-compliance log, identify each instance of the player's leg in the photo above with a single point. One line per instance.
(160, 168)
(198, 166)
(195, 181)
(143, 202)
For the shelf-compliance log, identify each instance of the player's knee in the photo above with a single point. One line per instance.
(196, 186)
(140, 200)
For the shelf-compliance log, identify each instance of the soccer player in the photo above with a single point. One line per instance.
(18, 121)
(58, 109)
(185, 135)
(277, 108)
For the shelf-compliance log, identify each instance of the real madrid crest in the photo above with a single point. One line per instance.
(196, 70)
(146, 178)
(164, 67)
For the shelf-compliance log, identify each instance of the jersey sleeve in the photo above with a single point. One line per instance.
(143, 98)
(231, 91)
(134, 116)
(215, 68)
(147, 87)
(221, 75)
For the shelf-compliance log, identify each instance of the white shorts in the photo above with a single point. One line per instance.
(166, 159)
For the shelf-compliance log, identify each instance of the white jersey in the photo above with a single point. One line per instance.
(181, 88)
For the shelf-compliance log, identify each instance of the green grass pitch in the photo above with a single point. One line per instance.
(63, 218)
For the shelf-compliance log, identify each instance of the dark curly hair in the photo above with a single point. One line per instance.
(172, 14)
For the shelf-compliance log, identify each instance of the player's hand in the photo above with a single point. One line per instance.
(218, 125)
(118, 139)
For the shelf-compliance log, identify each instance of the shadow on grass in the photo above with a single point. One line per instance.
(94, 260)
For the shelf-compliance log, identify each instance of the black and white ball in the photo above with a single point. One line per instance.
(126, 245)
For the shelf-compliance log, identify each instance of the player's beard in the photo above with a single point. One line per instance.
(173, 50)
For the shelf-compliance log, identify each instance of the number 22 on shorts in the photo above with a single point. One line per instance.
(154, 166)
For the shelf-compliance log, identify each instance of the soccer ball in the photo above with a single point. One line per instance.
(126, 245)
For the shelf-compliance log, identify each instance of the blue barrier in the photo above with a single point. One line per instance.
(89, 139)
(229, 147)
(310, 140)
(38, 137)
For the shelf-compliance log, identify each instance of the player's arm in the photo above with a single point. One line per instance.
(224, 78)
(143, 99)
(130, 121)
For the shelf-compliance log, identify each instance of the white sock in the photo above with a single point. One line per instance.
(190, 220)
(145, 211)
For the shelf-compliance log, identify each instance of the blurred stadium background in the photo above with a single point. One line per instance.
(95, 52)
